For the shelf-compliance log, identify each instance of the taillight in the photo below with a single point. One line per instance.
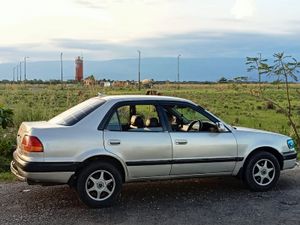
(31, 144)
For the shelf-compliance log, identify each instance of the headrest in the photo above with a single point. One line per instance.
(152, 122)
(137, 121)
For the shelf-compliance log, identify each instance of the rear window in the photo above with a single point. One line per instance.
(78, 112)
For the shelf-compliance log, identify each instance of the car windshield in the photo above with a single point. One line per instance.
(78, 112)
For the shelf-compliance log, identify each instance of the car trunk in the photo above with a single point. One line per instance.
(31, 128)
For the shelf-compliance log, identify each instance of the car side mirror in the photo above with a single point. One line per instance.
(221, 127)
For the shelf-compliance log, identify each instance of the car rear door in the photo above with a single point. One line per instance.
(146, 151)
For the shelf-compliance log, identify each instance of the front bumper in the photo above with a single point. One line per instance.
(41, 172)
(289, 160)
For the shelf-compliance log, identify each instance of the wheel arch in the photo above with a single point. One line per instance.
(269, 149)
(100, 158)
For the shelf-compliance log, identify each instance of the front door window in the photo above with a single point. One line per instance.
(183, 118)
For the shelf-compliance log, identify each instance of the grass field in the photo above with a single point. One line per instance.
(231, 102)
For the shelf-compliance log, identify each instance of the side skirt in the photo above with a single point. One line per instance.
(174, 177)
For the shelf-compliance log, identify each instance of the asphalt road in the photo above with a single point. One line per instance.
(192, 201)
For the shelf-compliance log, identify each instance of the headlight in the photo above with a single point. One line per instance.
(291, 144)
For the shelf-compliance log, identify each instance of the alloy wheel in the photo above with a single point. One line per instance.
(263, 172)
(100, 185)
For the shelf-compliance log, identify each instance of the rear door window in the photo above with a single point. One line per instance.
(135, 118)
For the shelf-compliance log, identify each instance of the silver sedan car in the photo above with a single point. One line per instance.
(101, 143)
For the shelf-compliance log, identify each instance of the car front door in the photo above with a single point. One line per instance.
(198, 146)
(135, 134)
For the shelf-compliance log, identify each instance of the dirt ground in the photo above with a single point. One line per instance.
(193, 201)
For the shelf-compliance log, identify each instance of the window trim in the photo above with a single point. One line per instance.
(197, 108)
(117, 113)
(162, 115)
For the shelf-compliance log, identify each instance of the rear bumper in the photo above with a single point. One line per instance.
(20, 174)
(289, 160)
(41, 172)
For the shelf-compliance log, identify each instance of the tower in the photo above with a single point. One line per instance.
(79, 69)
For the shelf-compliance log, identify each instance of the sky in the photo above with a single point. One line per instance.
(112, 29)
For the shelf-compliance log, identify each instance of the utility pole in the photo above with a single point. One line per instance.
(20, 71)
(61, 69)
(25, 78)
(14, 69)
(178, 57)
(139, 70)
(17, 66)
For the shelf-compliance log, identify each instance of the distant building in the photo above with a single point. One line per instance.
(120, 83)
(89, 81)
(105, 84)
(79, 69)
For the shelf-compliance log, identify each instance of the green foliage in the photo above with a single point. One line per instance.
(231, 102)
(240, 79)
(286, 67)
(222, 80)
(257, 64)
(7, 146)
(7, 176)
(5, 117)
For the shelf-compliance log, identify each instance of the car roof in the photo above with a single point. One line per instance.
(118, 98)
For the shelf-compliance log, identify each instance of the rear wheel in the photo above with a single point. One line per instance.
(262, 171)
(99, 184)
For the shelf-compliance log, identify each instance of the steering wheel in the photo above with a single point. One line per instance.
(193, 123)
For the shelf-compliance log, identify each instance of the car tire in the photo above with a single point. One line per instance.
(262, 172)
(99, 184)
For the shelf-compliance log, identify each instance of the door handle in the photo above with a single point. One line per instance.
(114, 142)
(181, 142)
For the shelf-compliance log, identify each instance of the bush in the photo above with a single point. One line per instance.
(280, 111)
(7, 141)
(270, 105)
(7, 147)
(5, 117)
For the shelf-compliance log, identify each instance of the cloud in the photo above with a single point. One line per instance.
(203, 44)
(96, 4)
(92, 4)
(7, 49)
(200, 44)
(103, 4)
(243, 8)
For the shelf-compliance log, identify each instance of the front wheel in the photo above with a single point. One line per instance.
(262, 171)
(99, 184)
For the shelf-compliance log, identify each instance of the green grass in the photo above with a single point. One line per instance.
(231, 102)
(7, 176)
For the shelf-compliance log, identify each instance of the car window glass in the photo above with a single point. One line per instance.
(190, 114)
(186, 119)
(135, 118)
(114, 124)
(124, 115)
(78, 112)
(147, 111)
(144, 118)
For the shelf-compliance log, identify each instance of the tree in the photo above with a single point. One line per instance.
(260, 65)
(284, 66)
(222, 80)
(5, 117)
(287, 67)
(240, 79)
